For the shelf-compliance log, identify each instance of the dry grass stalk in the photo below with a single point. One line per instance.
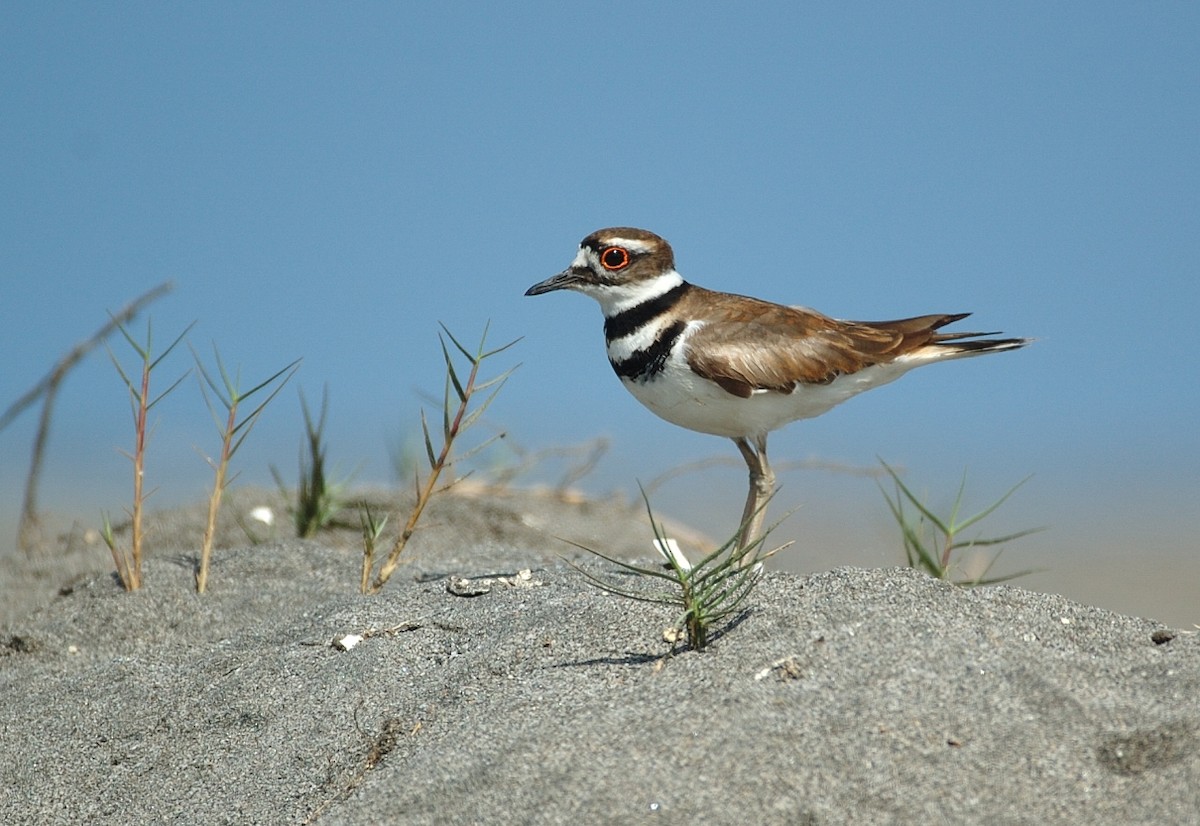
(233, 433)
(29, 533)
(455, 420)
(129, 563)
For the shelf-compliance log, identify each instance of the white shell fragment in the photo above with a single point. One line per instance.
(263, 514)
(461, 586)
(669, 548)
(788, 668)
(521, 579)
(347, 642)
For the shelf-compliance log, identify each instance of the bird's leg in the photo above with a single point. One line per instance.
(755, 468)
(762, 485)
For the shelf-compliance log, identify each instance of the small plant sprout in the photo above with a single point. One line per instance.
(931, 542)
(318, 500)
(233, 432)
(129, 562)
(457, 417)
(705, 593)
(372, 528)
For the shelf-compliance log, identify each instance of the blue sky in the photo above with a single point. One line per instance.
(331, 180)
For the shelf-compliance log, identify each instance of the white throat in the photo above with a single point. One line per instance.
(616, 298)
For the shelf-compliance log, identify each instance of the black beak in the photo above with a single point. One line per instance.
(565, 280)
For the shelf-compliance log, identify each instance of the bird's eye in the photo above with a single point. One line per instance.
(615, 258)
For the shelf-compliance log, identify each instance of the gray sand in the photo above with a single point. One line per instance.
(853, 696)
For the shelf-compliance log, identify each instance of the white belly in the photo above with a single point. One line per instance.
(683, 398)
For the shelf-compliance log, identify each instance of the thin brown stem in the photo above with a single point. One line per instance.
(29, 534)
(139, 476)
(364, 584)
(947, 550)
(214, 501)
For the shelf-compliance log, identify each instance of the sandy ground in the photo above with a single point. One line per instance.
(850, 696)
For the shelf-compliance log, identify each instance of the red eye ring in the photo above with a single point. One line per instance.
(615, 258)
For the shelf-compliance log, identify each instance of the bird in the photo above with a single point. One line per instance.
(740, 367)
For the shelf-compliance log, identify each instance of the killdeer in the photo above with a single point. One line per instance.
(736, 366)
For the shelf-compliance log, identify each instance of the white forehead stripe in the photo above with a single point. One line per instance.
(628, 243)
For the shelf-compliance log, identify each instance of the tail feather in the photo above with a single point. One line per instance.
(981, 345)
(958, 336)
(949, 346)
(920, 332)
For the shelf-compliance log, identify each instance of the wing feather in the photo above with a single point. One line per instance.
(792, 345)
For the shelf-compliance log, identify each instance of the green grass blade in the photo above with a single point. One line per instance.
(446, 437)
(293, 367)
(479, 448)
(249, 421)
(635, 569)
(174, 343)
(210, 381)
(996, 580)
(129, 337)
(212, 410)
(230, 383)
(916, 502)
(120, 370)
(992, 507)
(428, 442)
(929, 560)
(474, 415)
(998, 540)
(500, 349)
(500, 379)
(164, 393)
(450, 373)
(471, 357)
(916, 553)
(957, 504)
(660, 599)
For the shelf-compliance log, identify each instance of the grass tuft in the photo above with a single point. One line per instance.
(372, 529)
(706, 593)
(931, 541)
(318, 500)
